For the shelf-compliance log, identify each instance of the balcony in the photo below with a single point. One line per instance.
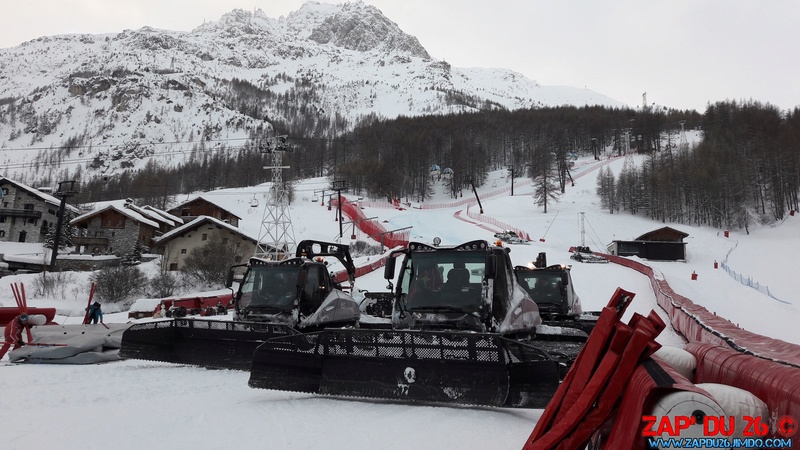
(90, 241)
(25, 213)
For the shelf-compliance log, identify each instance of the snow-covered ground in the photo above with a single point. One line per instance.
(137, 404)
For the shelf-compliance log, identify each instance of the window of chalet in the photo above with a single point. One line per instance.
(2, 233)
(183, 251)
(51, 211)
(2, 219)
(5, 191)
(205, 237)
(112, 221)
(173, 267)
(186, 212)
(28, 206)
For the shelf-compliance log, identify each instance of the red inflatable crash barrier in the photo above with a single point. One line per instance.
(774, 383)
(8, 313)
(591, 390)
(650, 381)
(698, 324)
(768, 368)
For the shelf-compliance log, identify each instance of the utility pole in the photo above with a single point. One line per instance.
(339, 186)
(277, 237)
(65, 189)
(511, 169)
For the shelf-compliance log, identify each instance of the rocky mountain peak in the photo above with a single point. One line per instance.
(361, 27)
(119, 98)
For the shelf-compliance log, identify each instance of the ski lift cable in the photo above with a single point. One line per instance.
(551, 224)
(595, 235)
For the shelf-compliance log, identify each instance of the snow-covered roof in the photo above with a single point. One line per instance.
(194, 224)
(152, 213)
(39, 194)
(200, 197)
(128, 212)
(175, 219)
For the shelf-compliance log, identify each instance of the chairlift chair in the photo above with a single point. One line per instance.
(254, 202)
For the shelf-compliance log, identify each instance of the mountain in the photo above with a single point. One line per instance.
(98, 104)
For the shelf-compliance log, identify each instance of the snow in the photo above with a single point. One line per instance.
(137, 404)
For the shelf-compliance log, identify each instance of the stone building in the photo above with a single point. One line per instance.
(26, 213)
(117, 227)
(178, 244)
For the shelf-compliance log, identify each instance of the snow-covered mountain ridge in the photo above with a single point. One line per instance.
(110, 101)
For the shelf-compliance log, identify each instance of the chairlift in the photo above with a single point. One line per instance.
(494, 184)
(314, 198)
(254, 202)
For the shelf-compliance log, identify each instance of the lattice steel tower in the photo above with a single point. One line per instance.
(684, 143)
(276, 239)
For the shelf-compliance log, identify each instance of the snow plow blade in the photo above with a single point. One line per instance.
(415, 366)
(207, 343)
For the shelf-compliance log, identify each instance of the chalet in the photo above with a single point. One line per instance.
(117, 227)
(177, 244)
(26, 213)
(663, 244)
(200, 206)
(165, 220)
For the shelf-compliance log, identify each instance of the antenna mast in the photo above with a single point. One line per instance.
(276, 238)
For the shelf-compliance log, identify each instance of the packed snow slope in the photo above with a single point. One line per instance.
(138, 404)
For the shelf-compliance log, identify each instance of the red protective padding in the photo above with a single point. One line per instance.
(777, 385)
(8, 313)
(646, 385)
(640, 346)
(574, 427)
(554, 436)
(585, 364)
(697, 324)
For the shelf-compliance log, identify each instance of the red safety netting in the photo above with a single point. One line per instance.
(372, 228)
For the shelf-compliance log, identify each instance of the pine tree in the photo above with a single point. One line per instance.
(545, 179)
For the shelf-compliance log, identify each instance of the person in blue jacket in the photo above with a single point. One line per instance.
(95, 313)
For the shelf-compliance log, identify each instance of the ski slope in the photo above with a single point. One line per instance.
(138, 404)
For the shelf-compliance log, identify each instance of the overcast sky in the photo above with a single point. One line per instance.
(682, 53)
